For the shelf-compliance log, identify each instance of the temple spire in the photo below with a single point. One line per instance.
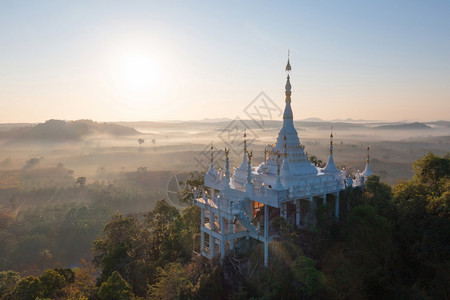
(227, 164)
(211, 168)
(368, 157)
(226, 176)
(212, 153)
(245, 141)
(249, 167)
(331, 141)
(243, 165)
(288, 110)
(367, 171)
(331, 167)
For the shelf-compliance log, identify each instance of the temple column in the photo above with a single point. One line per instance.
(297, 213)
(211, 238)
(222, 241)
(202, 233)
(230, 224)
(283, 210)
(312, 206)
(266, 235)
(336, 207)
(231, 234)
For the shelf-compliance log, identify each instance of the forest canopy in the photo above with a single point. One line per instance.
(390, 242)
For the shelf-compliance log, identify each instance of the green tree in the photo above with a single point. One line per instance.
(317, 162)
(356, 264)
(379, 195)
(161, 221)
(8, 281)
(172, 283)
(115, 288)
(81, 181)
(423, 235)
(195, 180)
(52, 283)
(306, 272)
(29, 287)
(431, 169)
(123, 248)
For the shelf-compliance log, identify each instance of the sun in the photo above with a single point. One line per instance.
(135, 78)
(138, 73)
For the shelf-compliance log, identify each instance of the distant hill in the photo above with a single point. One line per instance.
(58, 130)
(405, 126)
(312, 120)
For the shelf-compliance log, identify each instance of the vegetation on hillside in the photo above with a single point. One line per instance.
(390, 243)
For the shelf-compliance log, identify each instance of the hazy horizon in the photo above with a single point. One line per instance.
(219, 119)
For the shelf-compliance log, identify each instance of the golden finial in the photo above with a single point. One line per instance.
(331, 141)
(288, 66)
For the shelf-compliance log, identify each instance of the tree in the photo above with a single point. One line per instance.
(161, 221)
(123, 248)
(317, 162)
(140, 141)
(32, 162)
(83, 285)
(29, 287)
(306, 272)
(81, 181)
(431, 169)
(356, 265)
(172, 283)
(423, 233)
(52, 283)
(195, 180)
(8, 281)
(115, 288)
(379, 195)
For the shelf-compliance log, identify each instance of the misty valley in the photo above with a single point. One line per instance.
(62, 182)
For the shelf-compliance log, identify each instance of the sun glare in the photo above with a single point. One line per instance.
(135, 78)
(138, 73)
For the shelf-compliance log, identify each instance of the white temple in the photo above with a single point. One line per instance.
(251, 197)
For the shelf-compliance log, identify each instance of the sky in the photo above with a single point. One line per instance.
(191, 60)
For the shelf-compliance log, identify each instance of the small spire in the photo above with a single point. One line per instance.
(288, 65)
(227, 163)
(368, 158)
(367, 171)
(245, 140)
(244, 158)
(331, 141)
(278, 164)
(212, 153)
(265, 155)
(249, 167)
